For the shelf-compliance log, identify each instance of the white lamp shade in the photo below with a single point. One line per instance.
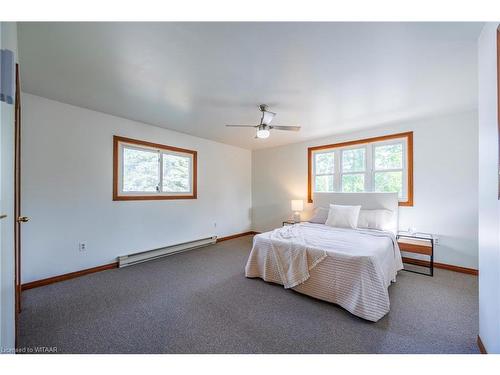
(297, 205)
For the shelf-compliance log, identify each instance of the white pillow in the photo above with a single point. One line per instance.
(375, 219)
(320, 215)
(343, 216)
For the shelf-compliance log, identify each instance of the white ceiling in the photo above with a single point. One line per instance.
(196, 77)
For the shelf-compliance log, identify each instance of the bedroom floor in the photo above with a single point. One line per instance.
(200, 302)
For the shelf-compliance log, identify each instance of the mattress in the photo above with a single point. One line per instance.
(359, 267)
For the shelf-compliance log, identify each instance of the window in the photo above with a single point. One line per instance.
(353, 170)
(388, 168)
(144, 170)
(381, 164)
(324, 176)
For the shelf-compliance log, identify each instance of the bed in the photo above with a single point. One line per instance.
(349, 267)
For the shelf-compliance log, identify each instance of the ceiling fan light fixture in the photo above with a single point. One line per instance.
(267, 117)
(263, 133)
(263, 129)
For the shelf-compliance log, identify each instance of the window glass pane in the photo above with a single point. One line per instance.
(324, 163)
(176, 173)
(353, 183)
(140, 170)
(389, 182)
(389, 156)
(353, 160)
(323, 184)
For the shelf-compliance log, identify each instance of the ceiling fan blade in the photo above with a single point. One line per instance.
(292, 128)
(243, 126)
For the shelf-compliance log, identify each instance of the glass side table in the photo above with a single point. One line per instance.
(417, 243)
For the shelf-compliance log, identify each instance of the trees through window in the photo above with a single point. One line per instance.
(144, 170)
(380, 164)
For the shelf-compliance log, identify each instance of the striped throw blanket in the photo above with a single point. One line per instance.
(294, 259)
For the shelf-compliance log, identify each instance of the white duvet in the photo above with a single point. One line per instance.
(350, 267)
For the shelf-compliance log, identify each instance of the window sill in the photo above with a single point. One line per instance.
(408, 203)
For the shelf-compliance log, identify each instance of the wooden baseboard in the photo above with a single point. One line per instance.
(444, 266)
(72, 275)
(482, 349)
(67, 276)
(236, 236)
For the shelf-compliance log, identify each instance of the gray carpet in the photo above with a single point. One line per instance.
(200, 302)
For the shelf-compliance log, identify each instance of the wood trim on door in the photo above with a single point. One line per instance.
(117, 197)
(17, 200)
(409, 141)
(498, 108)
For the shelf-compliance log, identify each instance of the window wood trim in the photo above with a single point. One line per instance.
(409, 145)
(116, 154)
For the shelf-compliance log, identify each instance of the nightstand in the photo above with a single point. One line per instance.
(418, 243)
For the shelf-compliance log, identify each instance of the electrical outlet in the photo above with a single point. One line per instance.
(436, 241)
(215, 224)
(82, 246)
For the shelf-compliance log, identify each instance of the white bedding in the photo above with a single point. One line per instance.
(356, 272)
(293, 255)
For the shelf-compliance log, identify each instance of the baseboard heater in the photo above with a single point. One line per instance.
(144, 256)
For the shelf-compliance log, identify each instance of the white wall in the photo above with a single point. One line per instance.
(445, 182)
(489, 207)
(8, 38)
(67, 191)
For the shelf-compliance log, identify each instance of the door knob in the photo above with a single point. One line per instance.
(23, 219)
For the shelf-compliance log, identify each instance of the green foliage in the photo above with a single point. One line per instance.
(175, 173)
(389, 156)
(353, 160)
(324, 184)
(353, 183)
(324, 163)
(389, 182)
(140, 170)
(386, 158)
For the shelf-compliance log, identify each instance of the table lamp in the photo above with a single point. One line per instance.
(297, 207)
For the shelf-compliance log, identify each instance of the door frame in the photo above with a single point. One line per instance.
(17, 198)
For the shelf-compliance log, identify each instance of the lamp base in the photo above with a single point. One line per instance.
(296, 217)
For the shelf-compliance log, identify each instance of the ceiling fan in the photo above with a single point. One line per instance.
(263, 129)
